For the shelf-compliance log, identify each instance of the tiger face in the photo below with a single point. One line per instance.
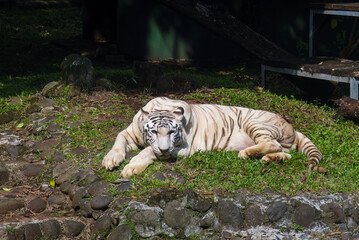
(162, 131)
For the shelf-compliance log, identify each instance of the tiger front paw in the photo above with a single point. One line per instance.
(112, 159)
(131, 169)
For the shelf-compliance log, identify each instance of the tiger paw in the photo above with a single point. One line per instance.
(275, 157)
(243, 154)
(131, 169)
(112, 159)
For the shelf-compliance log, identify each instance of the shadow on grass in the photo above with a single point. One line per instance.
(29, 60)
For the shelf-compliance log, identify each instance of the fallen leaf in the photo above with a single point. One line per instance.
(334, 233)
(207, 193)
(52, 182)
(20, 125)
(6, 189)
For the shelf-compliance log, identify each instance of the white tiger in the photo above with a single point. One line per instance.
(169, 128)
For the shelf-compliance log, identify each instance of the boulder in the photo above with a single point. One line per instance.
(78, 70)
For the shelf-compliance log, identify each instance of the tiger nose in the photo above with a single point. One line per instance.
(164, 150)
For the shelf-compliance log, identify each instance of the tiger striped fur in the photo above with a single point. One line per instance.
(168, 128)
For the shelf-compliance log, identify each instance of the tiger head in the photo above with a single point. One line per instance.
(163, 131)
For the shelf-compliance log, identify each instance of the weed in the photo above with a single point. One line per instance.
(9, 229)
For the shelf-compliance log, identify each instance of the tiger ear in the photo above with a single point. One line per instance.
(144, 112)
(179, 111)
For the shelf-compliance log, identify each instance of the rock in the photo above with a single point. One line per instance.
(121, 180)
(122, 232)
(304, 215)
(276, 211)
(351, 223)
(102, 224)
(32, 231)
(58, 157)
(333, 213)
(355, 215)
(7, 205)
(8, 116)
(125, 187)
(4, 176)
(57, 199)
(44, 145)
(87, 177)
(63, 172)
(120, 202)
(37, 205)
(195, 203)
(78, 196)
(176, 216)
(147, 222)
(47, 110)
(253, 215)
(53, 127)
(229, 214)
(101, 202)
(50, 229)
(32, 170)
(78, 70)
(13, 150)
(16, 234)
(85, 208)
(160, 176)
(162, 196)
(65, 187)
(49, 88)
(73, 228)
(193, 228)
(35, 116)
(46, 102)
(73, 91)
(80, 151)
(98, 188)
(32, 108)
(207, 221)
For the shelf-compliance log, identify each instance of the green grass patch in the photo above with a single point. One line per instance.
(205, 171)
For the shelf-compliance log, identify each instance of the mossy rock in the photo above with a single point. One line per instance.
(9, 116)
(78, 70)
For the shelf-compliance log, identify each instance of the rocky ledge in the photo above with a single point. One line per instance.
(93, 213)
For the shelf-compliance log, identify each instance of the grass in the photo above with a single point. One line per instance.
(94, 124)
(206, 171)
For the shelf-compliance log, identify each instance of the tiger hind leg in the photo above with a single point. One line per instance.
(261, 149)
(275, 157)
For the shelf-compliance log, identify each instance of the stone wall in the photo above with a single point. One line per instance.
(184, 214)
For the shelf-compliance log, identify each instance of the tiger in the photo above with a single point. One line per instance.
(166, 129)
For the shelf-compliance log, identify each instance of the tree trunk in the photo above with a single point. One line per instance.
(221, 22)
